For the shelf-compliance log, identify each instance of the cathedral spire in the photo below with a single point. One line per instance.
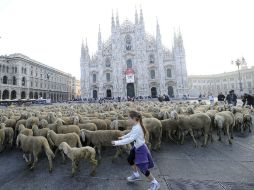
(117, 19)
(99, 39)
(112, 22)
(141, 17)
(158, 33)
(136, 16)
(83, 52)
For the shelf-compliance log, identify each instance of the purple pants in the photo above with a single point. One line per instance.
(142, 158)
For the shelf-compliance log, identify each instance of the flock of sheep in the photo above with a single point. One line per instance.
(80, 131)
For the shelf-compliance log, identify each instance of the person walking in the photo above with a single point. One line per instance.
(211, 99)
(221, 99)
(140, 156)
(231, 98)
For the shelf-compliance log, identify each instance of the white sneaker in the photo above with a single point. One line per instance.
(154, 186)
(133, 178)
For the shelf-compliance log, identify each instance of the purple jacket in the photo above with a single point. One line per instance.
(143, 156)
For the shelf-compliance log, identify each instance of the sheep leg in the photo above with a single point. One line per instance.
(78, 165)
(219, 133)
(229, 140)
(231, 131)
(241, 129)
(205, 140)
(63, 157)
(99, 152)
(249, 125)
(35, 161)
(73, 171)
(50, 162)
(170, 136)
(194, 140)
(183, 135)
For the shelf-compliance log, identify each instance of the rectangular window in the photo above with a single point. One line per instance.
(152, 74)
(94, 77)
(108, 77)
(169, 74)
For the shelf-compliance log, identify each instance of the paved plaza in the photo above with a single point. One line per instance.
(178, 167)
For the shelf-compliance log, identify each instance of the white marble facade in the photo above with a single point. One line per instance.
(157, 70)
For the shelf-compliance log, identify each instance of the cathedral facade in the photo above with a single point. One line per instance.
(133, 63)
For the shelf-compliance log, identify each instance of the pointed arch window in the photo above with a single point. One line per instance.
(128, 41)
(169, 73)
(108, 64)
(94, 77)
(129, 63)
(151, 58)
(152, 74)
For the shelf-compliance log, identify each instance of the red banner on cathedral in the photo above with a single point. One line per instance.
(129, 71)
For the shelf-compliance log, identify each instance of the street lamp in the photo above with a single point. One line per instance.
(48, 76)
(238, 63)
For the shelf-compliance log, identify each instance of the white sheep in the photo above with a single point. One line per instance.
(35, 145)
(76, 154)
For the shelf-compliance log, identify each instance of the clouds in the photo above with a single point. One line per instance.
(214, 32)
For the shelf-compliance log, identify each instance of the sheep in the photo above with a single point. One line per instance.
(63, 129)
(239, 122)
(35, 145)
(2, 139)
(154, 128)
(168, 126)
(56, 139)
(192, 122)
(101, 124)
(226, 120)
(43, 123)
(9, 134)
(101, 138)
(120, 125)
(88, 126)
(25, 131)
(9, 122)
(40, 132)
(32, 121)
(76, 154)
(51, 118)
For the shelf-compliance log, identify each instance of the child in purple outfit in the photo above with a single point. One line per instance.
(139, 157)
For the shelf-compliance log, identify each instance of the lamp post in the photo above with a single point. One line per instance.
(238, 63)
(48, 76)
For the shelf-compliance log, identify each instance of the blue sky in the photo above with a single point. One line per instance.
(50, 31)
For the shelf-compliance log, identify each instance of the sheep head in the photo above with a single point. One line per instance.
(2, 125)
(174, 115)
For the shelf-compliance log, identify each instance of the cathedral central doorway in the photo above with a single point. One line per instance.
(170, 91)
(94, 94)
(108, 93)
(153, 92)
(130, 90)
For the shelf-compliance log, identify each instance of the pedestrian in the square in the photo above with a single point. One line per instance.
(221, 99)
(211, 99)
(140, 156)
(231, 98)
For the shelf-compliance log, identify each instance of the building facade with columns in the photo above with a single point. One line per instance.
(223, 82)
(24, 78)
(133, 63)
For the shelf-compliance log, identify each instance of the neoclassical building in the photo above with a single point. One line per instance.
(223, 82)
(23, 78)
(133, 63)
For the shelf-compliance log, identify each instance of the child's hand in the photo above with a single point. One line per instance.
(120, 138)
